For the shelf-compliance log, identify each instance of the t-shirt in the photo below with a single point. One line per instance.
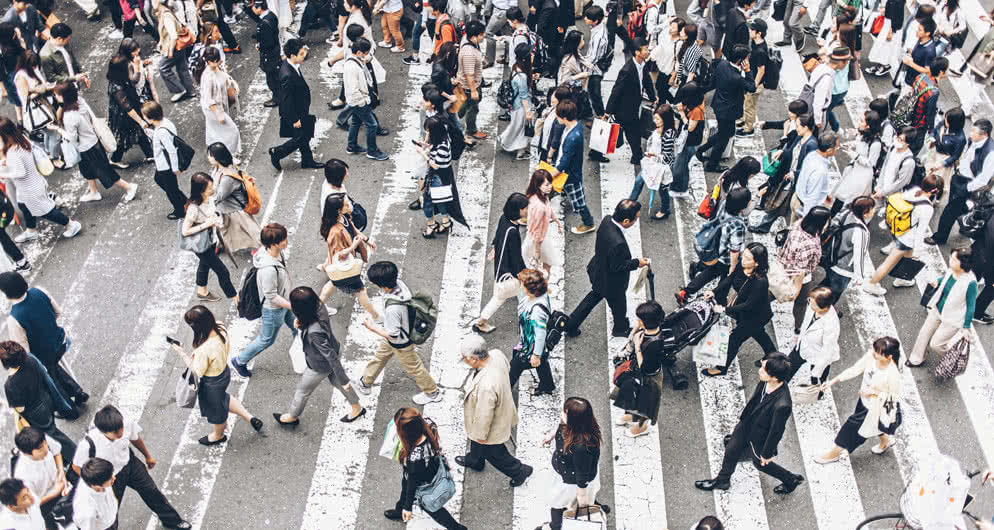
(26, 388)
(39, 476)
(23, 521)
(696, 136)
(93, 510)
(395, 317)
(922, 55)
(758, 57)
(117, 452)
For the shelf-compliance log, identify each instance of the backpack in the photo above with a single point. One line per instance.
(457, 142)
(808, 92)
(635, 25)
(831, 242)
(973, 224)
(249, 301)
(359, 217)
(254, 203)
(771, 79)
(898, 213)
(62, 510)
(458, 30)
(422, 314)
(541, 60)
(704, 74)
(505, 95)
(903, 111)
(555, 326)
(707, 242)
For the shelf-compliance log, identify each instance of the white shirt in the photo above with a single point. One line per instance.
(117, 452)
(23, 521)
(986, 169)
(94, 510)
(823, 91)
(639, 67)
(163, 148)
(39, 476)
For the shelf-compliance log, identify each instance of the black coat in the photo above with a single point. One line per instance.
(730, 89)
(295, 101)
(751, 305)
(268, 34)
(626, 98)
(763, 421)
(578, 466)
(507, 249)
(983, 251)
(609, 269)
(736, 31)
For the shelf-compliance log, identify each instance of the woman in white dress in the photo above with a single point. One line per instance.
(214, 102)
(857, 177)
(538, 250)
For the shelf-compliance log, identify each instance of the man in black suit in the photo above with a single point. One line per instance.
(296, 120)
(731, 81)
(268, 34)
(609, 270)
(736, 27)
(760, 429)
(625, 102)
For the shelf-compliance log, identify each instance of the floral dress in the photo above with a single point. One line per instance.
(124, 97)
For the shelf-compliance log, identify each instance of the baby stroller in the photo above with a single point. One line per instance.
(685, 327)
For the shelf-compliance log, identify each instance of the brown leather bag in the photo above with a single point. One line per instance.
(184, 37)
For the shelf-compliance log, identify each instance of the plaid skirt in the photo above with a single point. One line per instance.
(574, 192)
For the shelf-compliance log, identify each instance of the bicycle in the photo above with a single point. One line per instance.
(897, 521)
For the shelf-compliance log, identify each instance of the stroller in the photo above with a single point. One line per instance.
(685, 327)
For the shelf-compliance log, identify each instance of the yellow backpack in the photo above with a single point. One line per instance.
(898, 213)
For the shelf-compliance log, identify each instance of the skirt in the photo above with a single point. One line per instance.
(849, 437)
(551, 253)
(240, 231)
(226, 133)
(213, 397)
(513, 138)
(350, 286)
(93, 165)
(885, 52)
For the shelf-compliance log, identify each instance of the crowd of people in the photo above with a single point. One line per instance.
(906, 151)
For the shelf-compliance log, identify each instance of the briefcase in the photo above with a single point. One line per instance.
(907, 269)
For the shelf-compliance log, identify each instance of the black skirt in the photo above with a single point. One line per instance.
(213, 397)
(93, 164)
(849, 437)
(350, 286)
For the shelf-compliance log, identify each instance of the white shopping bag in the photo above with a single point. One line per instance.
(604, 136)
(297, 354)
(712, 349)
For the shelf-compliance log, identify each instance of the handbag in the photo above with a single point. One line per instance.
(584, 518)
(781, 285)
(390, 446)
(208, 11)
(770, 164)
(713, 347)
(529, 129)
(103, 132)
(804, 394)
(709, 205)
(184, 37)
(907, 269)
(954, 361)
(604, 136)
(186, 389)
(197, 243)
(878, 25)
(296, 353)
(890, 417)
(625, 366)
(39, 113)
(928, 293)
(440, 194)
(43, 163)
(343, 269)
(442, 487)
(184, 153)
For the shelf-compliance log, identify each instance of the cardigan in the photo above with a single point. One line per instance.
(886, 384)
(579, 465)
(955, 300)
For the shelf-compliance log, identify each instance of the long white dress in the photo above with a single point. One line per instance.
(214, 91)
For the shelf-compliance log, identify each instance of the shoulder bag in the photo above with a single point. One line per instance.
(43, 163)
(184, 153)
(343, 269)
(197, 243)
(102, 130)
(186, 389)
(890, 417)
(442, 487)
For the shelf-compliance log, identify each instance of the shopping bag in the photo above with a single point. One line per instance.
(878, 24)
(804, 394)
(186, 389)
(390, 448)
(781, 284)
(954, 361)
(709, 205)
(713, 347)
(69, 155)
(296, 353)
(604, 136)
(584, 518)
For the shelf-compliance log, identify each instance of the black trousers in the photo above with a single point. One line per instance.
(144, 143)
(442, 516)
(135, 475)
(68, 446)
(497, 455)
(718, 141)
(167, 181)
(302, 141)
(594, 89)
(796, 362)
(54, 215)
(209, 261)
(986, 294)
(633, 135)
(312, 14)
(545, 380)
(704, 275)
(955, 208)
(273, 81)
(225, 30)
(64, 382)
(743, 332)
(10, 247)
(739, 444)
(616, 301)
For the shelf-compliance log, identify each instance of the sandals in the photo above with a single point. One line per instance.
(430, 230)
(444, 227)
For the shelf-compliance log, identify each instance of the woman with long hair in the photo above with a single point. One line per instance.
(800, 254)
(576, 459)
(689, 55)
(174, 17)
(573, 70)
(440, 196)
(140, 70)
(35, 93)
(201, 215)
(420, 456)
(215, 85)
(659, 156)
(513, 138)
(124, 112)
(951, 29)
(30, 188)
(210, 37)
(11, 48)
(945, 144)
(738, 176)
(209, 363)
(881, 384)
(443, 75)
(77, 129)
(322, 355)
(239, 230)
(345, 241)
(857, 177)
(537, 249)
(750, 308)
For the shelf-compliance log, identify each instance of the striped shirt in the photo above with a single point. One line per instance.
(441, 154)
(688, 65)
(32, 188)
(669, 142)
(470, 65)
(598, 47)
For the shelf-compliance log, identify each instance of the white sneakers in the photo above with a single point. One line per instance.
(423, 399)
(130, 194)
(116, 34)
(28, 235)
(72, 229)
(91, 196)
(898, 282)
(177, 97)
(385, 44)
(874, 289)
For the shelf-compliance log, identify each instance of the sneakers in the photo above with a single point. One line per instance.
(398, 49)
(240, 368)
(72, 229)
(581, 229)
(90, 196)
(903, 283)
(412, 59)
(377, 155)
(332, 40)
(130, 194)
(119, 165)
(209, 297)
(423, 399)
(355, 150)
(179, 97)
(984, 318)
(874, 289)
(362, 388)
(385, 44)
(116, 34)
(230, 20)
(24, 266)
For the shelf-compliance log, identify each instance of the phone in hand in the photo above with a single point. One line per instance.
(173, 341)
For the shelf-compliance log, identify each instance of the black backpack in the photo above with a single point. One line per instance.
(554, 327)
(62, 511)
(831, 242)
(771, 78)
(704, 75)
(249, 301)
(505, 94)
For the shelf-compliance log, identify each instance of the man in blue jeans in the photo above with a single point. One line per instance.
(274, 287)
(357, 80)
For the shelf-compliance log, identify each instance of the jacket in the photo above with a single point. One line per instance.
(507, 249)
(268, 34)
(489, 413)
(625, 101)
(571, 155)
(30, 27)
(819, 340)
(885, 384)
(295, 100)
(751, 306)
(958, 306)
(948, 144)
(731, 85)
(578, 466)
(610, 267)
(321, 348)
(736, 30)
(763, 421)
(339, 238)
(356, 78)
(272, 277)
(53, 63)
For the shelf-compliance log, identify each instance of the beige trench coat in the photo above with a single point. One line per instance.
(488, 405)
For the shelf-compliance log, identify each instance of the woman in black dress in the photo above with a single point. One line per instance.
(124, 111)
(576, 460)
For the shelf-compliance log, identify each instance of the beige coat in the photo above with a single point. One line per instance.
(885, 383)
(488, 406)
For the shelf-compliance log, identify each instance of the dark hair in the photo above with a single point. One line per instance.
(220, 153)
(761, 256)
(523, 61)
(12, 134)
(10, 490)
(956, 118)
(198, 185)
(690, 30)
(335, 171)
(690, 95)
(439, 5)
(438, 133)
(474, 28)
(60, 31)
(212, 55)
(108, 419)
(709, 523)
(777, 366)
(411, 426)
(650, 313)
(815, 220)
(737, 200)
(665, 111)
(28, 440)
(951, 5)
(745, 168)
(515, 14)
(152, 111)
(533, 281)
(96, 472)
(273, 234)
(562, 93)
(939, 65)
(909, 134)
(861, 205)
(383, 274)
(361, 45)
(117, 69)
(448, 56)
(12, 355)
(881, 107)
(354, 31)
(566, 109)
(581, 426)
(928, 25)
(888, 347)
(128, 46)
(539, 177)
(808, 122)
(28, 61)
(984, 125)
(202, 322)
(638, 43)
(626, 210)
(363, 5)
(594, 14)
(571, 45)
(305, 304)
(823, 296)
(873, 126)
(330, 211)
(513, 205)
(965, 257)
(739, 52)
(798, 107)
(13, 284)
(293, 46)
(932, 183)
(744, 3)
(827, 140)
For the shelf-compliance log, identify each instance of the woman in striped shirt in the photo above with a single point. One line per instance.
(659, 156)
(689, 54)
(31, 188)
(440, 196)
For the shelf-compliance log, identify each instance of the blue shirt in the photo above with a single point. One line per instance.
(812, 183)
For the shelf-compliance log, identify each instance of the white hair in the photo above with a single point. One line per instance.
(473, 346)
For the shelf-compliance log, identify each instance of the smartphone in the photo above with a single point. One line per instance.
(173, 341)
(415, 142)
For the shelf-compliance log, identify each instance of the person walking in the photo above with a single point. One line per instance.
(609, 270)
(470, 77)
(268, 36)
(396, 336)
(857, 177)
(344, 242)
(848, 265)
(538, 250)
(95, 506)
(359, 94)
(239, 230)
(216, 87)
(509, 258)
(513, 139)
(880, 389)
(296, 121)
(818, 341)
(200, 216)
(637, 390)
(391, 12)
(945, 144)
(441, 195)
(759, 58)
(575, 459)
(209, 362)
(124, 111)
(656, 164)
(950, 309)
(811, 187)
(534, 310)
(322, 354)
(634, 84)
(732, 80)
(974, 173)
(421, 455)
(273, 282)
(730, 246)
(167, 170)
(40, 467)
(36, 94)
(690, 106)
(175, 64)
(800, 255)
(760, 429)
(570, 161)
(489, 412)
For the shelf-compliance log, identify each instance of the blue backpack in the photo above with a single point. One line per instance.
(707, 242)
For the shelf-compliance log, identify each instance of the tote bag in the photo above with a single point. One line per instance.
(43, 163)
(713, 347)
(953, 363)
(781, 285)
(390, 446)
(604, 136)
(296, 353)
(103, 132)
(197, 243)
(186, 389)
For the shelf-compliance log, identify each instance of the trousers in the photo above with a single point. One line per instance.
(741, 333)
(498, 456)
(167, 181)
(616, 301)
(301, 140)
(135, 475)
(410, 361)
(442, 516)
(545, 381)
(272, 320)
(54, 215)
(733, 452)
(209, 261)
(309, 382)
(935, 335)
(717, 142)
(175, 72)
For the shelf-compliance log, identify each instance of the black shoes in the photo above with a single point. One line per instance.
(256, 424)
(382, 131)
(349, 419)
(277, 416)
(598, 157)
(785, 488)
(205, 440)
(311, 165)
(274, 160)
(932, 240)
(515, 482)
(715, 169)
(461, 460)
(572, 332)
(712, 484)
(81, 398)
(621, 332)
(69, 416)
(415, 204)
(332, 106)
(393, 514)
(984, 318)
(782, 43)
(271, 103)
(504, 116)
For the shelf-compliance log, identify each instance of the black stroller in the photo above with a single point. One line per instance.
(685, 327)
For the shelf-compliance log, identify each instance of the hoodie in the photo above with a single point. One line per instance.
(272, 277)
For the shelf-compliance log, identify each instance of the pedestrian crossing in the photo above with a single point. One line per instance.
(345, 479)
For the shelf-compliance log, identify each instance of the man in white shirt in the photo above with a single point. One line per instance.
(39, 466)
(112, 438)
(821, 80)
(94, 506)
(21, 510)
(974, 173)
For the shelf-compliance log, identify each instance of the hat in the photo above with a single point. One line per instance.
(841, 54)
(759, 25)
